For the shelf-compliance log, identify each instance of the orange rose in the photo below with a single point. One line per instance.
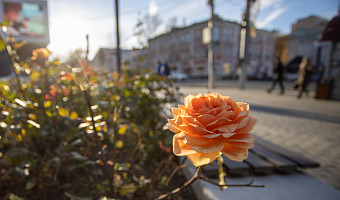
(211, 124)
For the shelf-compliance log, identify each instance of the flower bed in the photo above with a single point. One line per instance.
(68, 132)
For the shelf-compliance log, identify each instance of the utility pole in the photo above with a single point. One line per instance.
(244, 43)
(117, 33)
(87, 48)
(211, 48)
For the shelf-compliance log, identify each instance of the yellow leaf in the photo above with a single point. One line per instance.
(63, 112)
(122, 129)
(56, 62)
(151, 133)
(74, 115)
(23, 132)
(35, 76)
(47, 104)
(48, 113)
(119, 144)
(105, 128)
(125, 175)
(32, 116)
(19, 138)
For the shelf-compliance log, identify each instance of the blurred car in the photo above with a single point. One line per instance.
(178, 76)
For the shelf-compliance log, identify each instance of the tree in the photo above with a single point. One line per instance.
(172, 23)
(146, 28)
(74, 56)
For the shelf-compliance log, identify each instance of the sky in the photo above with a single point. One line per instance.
(70, 21)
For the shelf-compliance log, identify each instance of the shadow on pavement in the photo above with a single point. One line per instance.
(296, 113)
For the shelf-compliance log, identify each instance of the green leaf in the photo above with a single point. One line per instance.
(30, 185)
(15, 197)
(77, 156)
(127, 189)
(77, 197)
(105, 198)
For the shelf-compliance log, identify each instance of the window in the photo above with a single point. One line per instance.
(227, 35)
(215, 34)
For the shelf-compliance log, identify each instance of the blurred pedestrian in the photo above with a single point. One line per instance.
(278, 76)
(304, 76)
(166, 69)
(159, 67)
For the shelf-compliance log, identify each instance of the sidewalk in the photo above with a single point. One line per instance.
(307, 126)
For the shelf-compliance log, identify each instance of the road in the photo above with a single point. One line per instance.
(307, 126)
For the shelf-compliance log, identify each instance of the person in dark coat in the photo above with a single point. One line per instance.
(278, 76)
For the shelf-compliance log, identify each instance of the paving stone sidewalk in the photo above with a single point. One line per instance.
(307, 126)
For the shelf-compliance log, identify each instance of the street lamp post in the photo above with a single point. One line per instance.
(211, 48)
(244, 42)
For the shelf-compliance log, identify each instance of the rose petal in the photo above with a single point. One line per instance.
(206, 118)
(215, 135)
(243, 145)
(180, 148)
(241, 114)
(211, 147)
(242, 107)
(243, 122)
(217, 123)
(194, 140)
(250, 125)
(243, 137)
(226, 114)
(176, 111)
(231, 102)
(229, 128)
(187, 101)
(173, 128)
(227, 135)
(199, 159)
(235, 153)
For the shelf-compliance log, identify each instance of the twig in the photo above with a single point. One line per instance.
(179, 189)
(106, 168)
(181, 165)
(173, 174)
(226, 185)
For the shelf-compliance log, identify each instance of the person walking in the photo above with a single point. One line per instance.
(304, 76)
(278, 76)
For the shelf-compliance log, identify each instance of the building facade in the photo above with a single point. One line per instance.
(106, 59)
(304, 38)
(184, 51)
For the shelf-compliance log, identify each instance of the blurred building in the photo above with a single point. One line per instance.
(106, 59)
(184, 50)
(303, 41)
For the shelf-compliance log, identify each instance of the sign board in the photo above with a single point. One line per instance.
(26, 20)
